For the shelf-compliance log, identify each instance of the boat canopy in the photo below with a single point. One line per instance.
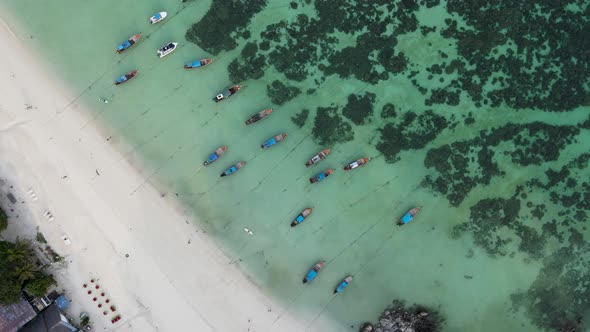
(299, 218)
(407, 218)
(312, 274)
(213, 157)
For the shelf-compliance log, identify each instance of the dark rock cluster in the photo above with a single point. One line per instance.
(532, 144)
(300, 118)
(399, 317)
(412, 131)
(359, 108)
(534, 54)
(330, 128)
(223, 24)
(280, 93)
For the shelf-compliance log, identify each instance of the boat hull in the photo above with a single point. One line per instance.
(128, 43)
(321, 176)
(273, 141)
(227, 93)
(409, 216)
(215, 155)
(127, 77)
(233, 169)
(356, 164)
(167, 49)
(158, 17)
(301, 217)
(198, 64)
(318, 157)
(259, 116)
(313, 272)
(343, 284)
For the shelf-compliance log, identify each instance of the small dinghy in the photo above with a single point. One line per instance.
(198, 63)
(301, 217)
(318, 157)
(227, 93)
(158, 17)
(313, 272)
(167, 49)
(272, 141)
(321, 176)
(128, 43)
(233, 169)
(259, 116)
(215, 155)
(343, 284)
(124, 78)
(409, 216)
(357, 163)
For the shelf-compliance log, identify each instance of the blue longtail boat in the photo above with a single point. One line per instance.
(343, 284)
(234, 168)
(313, 272)
(272, 141)
(128, 43)
(198, 63)
(124, 78)
(215, 155)
(409, 216)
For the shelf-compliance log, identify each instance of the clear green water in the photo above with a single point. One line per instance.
(170, 124)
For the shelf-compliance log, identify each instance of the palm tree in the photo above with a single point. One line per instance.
(19, 252)
(25, 272)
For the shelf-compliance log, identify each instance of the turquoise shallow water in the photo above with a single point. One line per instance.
(169, 125)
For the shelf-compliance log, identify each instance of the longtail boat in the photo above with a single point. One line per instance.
(157, 17)
(319, 177)
(272, 141)
(128, 43)
(227, 93)
(259, 116)
(357, 163)
(215, 155)
(318, 157)
(343, 284)
(409, 216)
(166, 49)
(234, 168)
(124, 78)
(198, 63)
(301, 217)
(313, 272)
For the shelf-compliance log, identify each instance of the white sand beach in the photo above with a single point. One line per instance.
(174, 278)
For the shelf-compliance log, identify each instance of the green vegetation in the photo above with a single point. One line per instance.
(3, 220)
(40, 238)
(17, 272)
(280, 93)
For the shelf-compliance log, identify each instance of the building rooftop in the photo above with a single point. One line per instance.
(13, 316)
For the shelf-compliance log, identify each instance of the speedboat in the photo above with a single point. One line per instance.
(128, 43)
(167, 49)
(272, 141)
(259, 116)
(158, 17)
(215, 155)
(343, 284)
(409, 216)
(321, 175)
(357, 163)
(227, 93)
(234, 168)
(301, 217)
(198, 63)
(124, 78)
(313, 272)
(318, 157)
